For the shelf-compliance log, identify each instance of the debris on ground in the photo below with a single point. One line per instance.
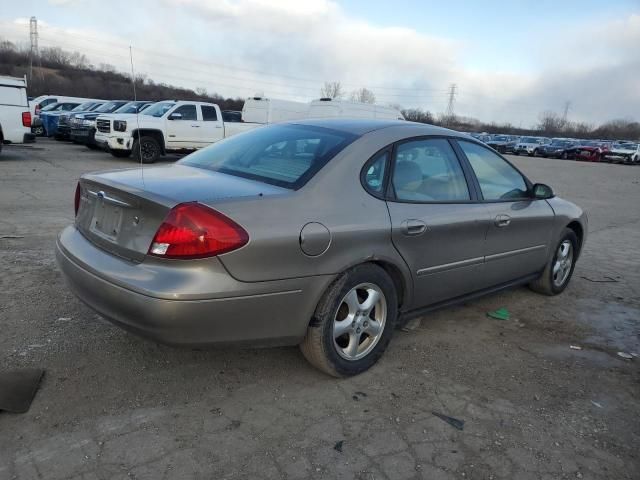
(18, 389)
(412, 324)
(338, 446)
(500, 314)
(575, 347)
(454, 422)
(11, 236)
(605, 279)
(358, 395)
(596, 404)
(625, 355)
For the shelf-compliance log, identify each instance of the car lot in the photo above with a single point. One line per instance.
(116, 406)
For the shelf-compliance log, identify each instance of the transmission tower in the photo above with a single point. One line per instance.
(33, 37)
(567, 106)
(453, 90)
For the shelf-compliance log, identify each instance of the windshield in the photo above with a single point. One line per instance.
(283, 155)
(529, 140)
(51, 107)
(131, 107)
(82, 107)
(159, 109)
(108, 107)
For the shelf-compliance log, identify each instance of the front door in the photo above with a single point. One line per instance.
(519, 227)
(436, 226)
(182, 129)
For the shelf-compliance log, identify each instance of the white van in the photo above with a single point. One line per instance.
(42, 101)
(330, 108)
(268, 110)
(15, 117)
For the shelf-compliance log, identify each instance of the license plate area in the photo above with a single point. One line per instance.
(106, 221)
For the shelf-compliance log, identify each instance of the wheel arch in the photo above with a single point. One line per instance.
(578, 229)
(150, 132)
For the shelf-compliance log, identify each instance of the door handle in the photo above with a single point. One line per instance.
(502, 220)
(218, 126)
(413, 227)
(195, 126)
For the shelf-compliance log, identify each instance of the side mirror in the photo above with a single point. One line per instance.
(175, 116)
(542, 192)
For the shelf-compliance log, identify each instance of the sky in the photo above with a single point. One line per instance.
(510, 60)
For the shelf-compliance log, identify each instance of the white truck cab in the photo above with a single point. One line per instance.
(15, 117)
(166, 126)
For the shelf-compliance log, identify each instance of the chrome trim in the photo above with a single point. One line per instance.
(450, 266)
(497, 256)
(108, 199)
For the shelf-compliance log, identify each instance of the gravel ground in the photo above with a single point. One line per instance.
(114, 406)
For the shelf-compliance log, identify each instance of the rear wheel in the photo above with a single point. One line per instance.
(565, 155)
(353, 323)
(146, 149)
(559, 269)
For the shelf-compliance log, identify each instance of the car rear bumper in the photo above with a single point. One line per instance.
(167, 303)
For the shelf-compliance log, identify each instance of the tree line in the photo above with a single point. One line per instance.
(57, 71)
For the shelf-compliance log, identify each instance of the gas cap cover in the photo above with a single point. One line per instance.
(314, 239)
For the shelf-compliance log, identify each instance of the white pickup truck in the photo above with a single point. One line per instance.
(15, 117)
(166, 126)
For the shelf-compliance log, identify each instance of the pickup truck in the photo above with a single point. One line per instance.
(166, 126)
(15, 117)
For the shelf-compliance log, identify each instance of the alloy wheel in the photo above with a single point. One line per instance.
(563, 263)
(359, 321)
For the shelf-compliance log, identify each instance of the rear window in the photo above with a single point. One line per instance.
(283, 155)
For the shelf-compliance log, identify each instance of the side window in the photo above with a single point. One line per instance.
(373, 175)
(428, 171)
(498, 180)
(188, 112)
(209, 113)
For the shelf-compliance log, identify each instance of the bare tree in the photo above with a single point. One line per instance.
(418, 115)
(331, 90)
(363, 95)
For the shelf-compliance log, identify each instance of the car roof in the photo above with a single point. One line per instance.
(359, 126)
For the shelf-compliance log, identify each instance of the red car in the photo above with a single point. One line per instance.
(590, 151)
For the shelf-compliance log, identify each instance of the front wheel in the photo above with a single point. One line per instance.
(146, 149)
(353, 323)
(565, 156)
(558, 271)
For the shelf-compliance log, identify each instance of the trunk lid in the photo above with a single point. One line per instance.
(120, 211)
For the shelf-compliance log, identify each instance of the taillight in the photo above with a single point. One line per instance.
(26, 119)
(76, 200)
(192, 230)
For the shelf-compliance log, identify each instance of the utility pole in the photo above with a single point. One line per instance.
(33, 37)
(567, 106)
(449, 114)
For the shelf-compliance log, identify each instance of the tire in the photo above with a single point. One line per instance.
(331, 355)
(564, 156)
(38, 131)
(549, 283)
(534, 153)
(121, 153)
(149, 147)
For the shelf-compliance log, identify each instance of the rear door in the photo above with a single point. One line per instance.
(211, 129)
(437, 226)
(519, 226)
(183, 132)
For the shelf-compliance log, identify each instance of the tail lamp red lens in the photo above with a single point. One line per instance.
(26, 119)
(76, 200)
(192, 230)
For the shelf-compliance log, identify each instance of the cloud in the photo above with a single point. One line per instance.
(288, 48)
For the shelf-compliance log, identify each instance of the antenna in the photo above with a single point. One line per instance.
(135, 99)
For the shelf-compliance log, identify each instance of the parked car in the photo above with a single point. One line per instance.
(589, 151)
(502, 143)
(38, 125)
(529, 145)
(63, 130)
(83, 127)
(558, 148)
(15, 117)
(623, 153)
(167, 126)
(51, 120)
(38, 103)
(322, 233)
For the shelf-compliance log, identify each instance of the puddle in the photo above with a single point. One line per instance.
(613, 325)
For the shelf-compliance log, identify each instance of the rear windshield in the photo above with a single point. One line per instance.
(283, 155)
